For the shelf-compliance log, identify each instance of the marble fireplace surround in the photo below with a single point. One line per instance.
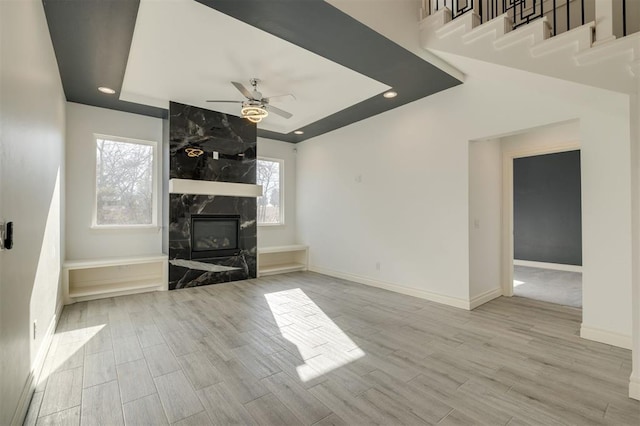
(219, 182)
(199, 187)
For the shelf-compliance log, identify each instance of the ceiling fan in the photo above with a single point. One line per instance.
(256, 107)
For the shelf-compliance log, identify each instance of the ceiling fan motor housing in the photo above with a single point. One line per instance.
(254, 108)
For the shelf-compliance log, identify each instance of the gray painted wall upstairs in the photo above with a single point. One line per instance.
(547, 223)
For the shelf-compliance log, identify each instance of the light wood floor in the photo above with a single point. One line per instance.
(306, 349)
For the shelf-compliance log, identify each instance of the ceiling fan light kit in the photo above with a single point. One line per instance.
(253, 113)
(256, 107)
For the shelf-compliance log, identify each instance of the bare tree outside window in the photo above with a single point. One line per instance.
(269, 205)
(124, 183)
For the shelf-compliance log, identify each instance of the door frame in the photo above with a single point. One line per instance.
(508, 155)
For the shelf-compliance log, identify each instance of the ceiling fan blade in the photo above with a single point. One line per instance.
(278, 111)
(247, 94)
(280, 98)
(228, 102)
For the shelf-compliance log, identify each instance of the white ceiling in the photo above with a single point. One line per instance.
(186, 52)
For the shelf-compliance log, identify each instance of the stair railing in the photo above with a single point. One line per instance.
(563, 15)
(457, 7)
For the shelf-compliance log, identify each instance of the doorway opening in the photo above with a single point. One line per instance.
(543, 214)
(547, 228)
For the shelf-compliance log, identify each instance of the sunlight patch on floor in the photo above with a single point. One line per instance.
(69, 342)
(322, 345)
(516, 283)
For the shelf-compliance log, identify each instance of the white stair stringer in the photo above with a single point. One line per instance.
(626, 55)
(576, 41)
(568, 56)
(529, 35)
(634, 69)
(492, 30)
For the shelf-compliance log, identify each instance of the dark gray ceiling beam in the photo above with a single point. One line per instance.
(321, 28)
(91, 40)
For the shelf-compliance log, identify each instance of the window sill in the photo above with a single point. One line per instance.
(143, 228)
(271, 225)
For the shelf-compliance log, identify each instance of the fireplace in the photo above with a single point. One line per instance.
(214, 236)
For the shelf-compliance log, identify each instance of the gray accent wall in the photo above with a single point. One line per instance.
(547, 208)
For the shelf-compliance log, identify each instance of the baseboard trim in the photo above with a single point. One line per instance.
(427, 295)
(546, 265)
(30, 385)
(634, 387)
(485, 297)
(604, 336)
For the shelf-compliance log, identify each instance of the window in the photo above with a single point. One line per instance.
(125, 182)
(270, 208)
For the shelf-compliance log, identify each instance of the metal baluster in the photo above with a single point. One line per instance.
(555, 22)
(568, 20)
(624, 18)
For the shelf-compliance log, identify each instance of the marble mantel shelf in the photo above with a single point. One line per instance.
(204, 187)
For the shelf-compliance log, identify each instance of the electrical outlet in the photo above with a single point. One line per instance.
(35, 329)
(215, 155)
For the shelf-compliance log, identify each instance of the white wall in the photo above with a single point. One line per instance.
(32, 128)
(286, 234)
(543, 138)
(485, 220)
(82, 241)
(411, 209)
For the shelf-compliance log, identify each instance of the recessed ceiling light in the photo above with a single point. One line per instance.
(107, 90)
(390, 94)
(299, 132)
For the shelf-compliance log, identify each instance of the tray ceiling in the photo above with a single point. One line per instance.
(152, 52)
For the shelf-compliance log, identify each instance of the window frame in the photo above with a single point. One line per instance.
(281, 162)
(155, 159)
